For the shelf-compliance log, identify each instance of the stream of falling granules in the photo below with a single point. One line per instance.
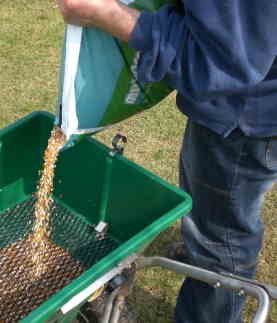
(41, 228)
(34, 268)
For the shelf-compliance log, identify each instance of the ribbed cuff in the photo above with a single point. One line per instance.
(141, 37)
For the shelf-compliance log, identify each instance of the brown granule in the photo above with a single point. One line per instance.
(19, 293)
(34, 268)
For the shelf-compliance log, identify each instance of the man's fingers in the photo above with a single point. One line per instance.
(70, 10)
(108, 15)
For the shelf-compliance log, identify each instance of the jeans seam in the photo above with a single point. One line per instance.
(230, 247)
(233, 298)
(236, 170)
(198, 181)
(215, 189)
(270, 163)
(234, 302)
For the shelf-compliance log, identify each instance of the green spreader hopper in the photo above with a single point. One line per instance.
(106, 208)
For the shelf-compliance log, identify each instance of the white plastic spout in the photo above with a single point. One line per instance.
(69, 122)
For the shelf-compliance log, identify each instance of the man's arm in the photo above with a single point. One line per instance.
(218, 48)
(109, 15)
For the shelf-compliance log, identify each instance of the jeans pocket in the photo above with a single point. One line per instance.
(215, 140)
(271, 153)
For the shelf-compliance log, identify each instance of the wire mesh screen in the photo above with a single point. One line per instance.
(74, 248)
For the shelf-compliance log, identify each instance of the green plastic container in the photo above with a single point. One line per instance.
(99, 83)
(137, 204)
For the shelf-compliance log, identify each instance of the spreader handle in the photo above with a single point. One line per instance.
(271, 290)
(243, 287)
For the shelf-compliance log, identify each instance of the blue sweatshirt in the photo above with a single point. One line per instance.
(220, 57)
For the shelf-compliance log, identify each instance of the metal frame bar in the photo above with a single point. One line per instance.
(243, 286)
(87, 292)
(236, 283)
(109, 306)
(115, 303)
(118, 307)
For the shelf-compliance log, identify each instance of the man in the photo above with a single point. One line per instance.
(220, 57)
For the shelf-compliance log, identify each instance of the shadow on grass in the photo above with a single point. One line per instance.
(160, 246)
(150, 308)
(153, 298)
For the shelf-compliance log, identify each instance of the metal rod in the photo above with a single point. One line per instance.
(214, 279)
(271, 290)
(106, 189)
(117, 309)
(264, 304)
(109, 306)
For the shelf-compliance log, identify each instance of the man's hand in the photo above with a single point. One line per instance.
(86, 12)
(109, 15)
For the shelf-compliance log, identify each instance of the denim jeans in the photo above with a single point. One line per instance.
(227, 179)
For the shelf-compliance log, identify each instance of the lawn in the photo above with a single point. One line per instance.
(31, 35)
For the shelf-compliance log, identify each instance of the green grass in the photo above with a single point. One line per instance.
(30, 40)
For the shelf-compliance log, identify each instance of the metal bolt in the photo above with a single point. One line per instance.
(112, 153)
(241, 292)
(217, 285)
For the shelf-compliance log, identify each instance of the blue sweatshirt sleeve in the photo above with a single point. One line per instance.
(215, 47)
